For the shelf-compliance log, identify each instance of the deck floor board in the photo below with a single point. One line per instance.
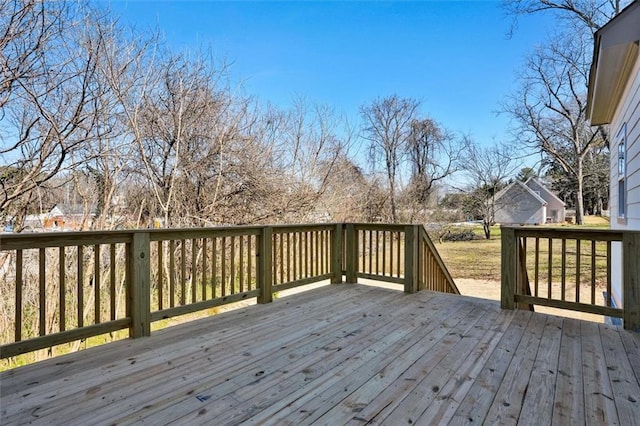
(344, 354)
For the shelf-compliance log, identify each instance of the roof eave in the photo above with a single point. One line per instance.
(609, 81)
(615, 53)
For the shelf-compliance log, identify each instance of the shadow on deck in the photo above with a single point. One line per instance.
(341, 354)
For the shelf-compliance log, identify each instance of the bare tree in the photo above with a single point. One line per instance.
(550, 105)
(487, 169)
(177, 130)
(313, 141)
(50, 97)
(387, 127)
(591, 14)
(434, 154)
(550, 109)
(27, 29)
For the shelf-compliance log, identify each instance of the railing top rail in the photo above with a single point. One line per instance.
(568, 233)
(304, 227)
(380, 226)
(62, 239)
(194, 233)
(13, 241)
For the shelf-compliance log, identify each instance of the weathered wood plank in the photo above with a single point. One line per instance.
(80, 287)
(631, 280)
(410, 258)
(453, 392)
(579, 307)
(139, 295)
(378, 227)
(418, 360)
(52, 339)
(64, 239)
(199, 306)
(625, 387)
(265, 261)
(599, 404)
(96, 284)
(183, 271)
(437, 368)
(301, 282)
(314, 399)
(209, 375)
(18, 303)
(15, 381)
(631, 343)
(393, 280)
(335, 355)
(191, 348)
(569, 233)
(336, 254)
(507, 402)
(569, 393)
(539, 399)
(62, 288)
(279, 381)
(509, 268)
(476, 403)
(351, 253)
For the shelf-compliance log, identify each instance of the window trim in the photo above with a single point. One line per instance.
(621, 163)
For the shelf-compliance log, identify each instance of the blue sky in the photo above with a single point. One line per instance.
(454, 56)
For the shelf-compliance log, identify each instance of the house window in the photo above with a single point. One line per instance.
(622, 171)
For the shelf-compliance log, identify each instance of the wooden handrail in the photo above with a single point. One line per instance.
(568, 268)
(445, 282)
(400, 254)
(72, 285)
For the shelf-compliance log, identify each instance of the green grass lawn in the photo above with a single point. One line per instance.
(480, 259)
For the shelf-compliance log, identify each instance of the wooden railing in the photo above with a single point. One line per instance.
(432, 272)
(62, 287)
(571, 269)
(402, 254)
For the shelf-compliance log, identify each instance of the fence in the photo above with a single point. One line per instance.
(572, 269)
(62, 287)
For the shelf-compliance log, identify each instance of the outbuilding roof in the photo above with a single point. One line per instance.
(526, 188)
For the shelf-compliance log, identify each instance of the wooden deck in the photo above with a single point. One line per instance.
(344, 354)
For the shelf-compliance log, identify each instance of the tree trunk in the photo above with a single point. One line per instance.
(392, 197)
(487, 229)
(579, 193)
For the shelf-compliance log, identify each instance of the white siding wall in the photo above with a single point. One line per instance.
(519, 206)
(552, 202)
(628, 113)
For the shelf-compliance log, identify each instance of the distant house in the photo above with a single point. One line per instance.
(33, 222)
(614, 99)
(528, 203)
(69, 217)
(555, 206)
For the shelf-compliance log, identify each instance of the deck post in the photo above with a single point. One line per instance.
(509, 268)
(411, 258)
(265, 278)
(631, 280)
(336, 254)
(139, 308)
(352, 254)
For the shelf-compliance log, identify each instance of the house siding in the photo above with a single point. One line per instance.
(553, 202)
(518, 206)
(627, 115)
